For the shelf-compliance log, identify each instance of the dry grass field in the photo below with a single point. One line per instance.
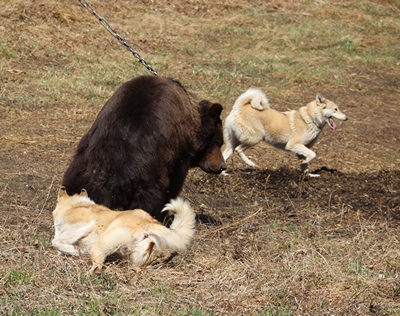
(268, 241)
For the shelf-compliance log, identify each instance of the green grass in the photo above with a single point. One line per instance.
(19, 277)
(6, 52)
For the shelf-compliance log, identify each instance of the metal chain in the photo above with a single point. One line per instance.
(120, 39)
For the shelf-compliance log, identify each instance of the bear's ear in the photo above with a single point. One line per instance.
(215, 110)
(83, 193)
(62, 192)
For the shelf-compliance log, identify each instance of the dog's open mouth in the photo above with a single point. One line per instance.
(331, 123)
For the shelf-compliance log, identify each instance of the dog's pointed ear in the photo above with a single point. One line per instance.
(83, 193)
(62, 192)
(320, 100)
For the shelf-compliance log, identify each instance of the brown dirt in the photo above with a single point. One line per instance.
(359, 183)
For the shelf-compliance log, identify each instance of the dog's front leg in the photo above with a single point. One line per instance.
(65, 247)
(65, 241)
(302, 152)
(304, 167)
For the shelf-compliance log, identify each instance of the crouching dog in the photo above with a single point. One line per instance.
(81, 226)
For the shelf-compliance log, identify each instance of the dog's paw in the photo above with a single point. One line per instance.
(224, 173)
(95, 270)
(250, 163)
(136, 269)
(312, 175)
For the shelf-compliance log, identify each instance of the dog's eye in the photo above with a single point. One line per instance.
(336, 109)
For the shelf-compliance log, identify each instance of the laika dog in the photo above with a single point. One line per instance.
(143, 142)
(81, 226)
(253, 120)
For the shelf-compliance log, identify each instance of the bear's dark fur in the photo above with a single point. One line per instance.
(143, 142)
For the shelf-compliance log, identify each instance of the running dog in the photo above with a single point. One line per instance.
(81, 226)
(253, 120)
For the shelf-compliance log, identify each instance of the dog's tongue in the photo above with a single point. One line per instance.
(333, 124)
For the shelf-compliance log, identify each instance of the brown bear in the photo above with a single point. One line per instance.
(143, 142)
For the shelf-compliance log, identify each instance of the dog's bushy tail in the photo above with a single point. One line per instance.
(178, 236)
(255, 97)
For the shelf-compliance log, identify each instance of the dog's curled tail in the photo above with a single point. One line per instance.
(178, 236)
(255, 97)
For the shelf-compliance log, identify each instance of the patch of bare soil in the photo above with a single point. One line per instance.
(373, 195)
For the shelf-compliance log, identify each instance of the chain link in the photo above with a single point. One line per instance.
(120, 39)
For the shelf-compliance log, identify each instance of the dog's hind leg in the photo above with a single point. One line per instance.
(231, 142)
(240, 150)
(121, 240)
(107, 243)
(228, 151)
(143, 249)
(98, 257)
